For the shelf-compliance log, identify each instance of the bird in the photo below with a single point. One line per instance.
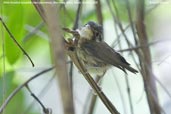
(95, 54)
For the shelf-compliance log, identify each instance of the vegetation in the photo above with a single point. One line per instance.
(34, 58)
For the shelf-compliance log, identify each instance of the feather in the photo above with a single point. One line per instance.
(103, 52)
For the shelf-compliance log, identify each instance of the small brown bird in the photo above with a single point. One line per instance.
(96, 55)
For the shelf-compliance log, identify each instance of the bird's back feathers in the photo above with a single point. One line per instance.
(102, 51)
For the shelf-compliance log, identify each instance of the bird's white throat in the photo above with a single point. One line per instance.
(85, 32)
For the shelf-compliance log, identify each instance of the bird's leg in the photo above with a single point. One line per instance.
(100, 77)
(73, 32)
(72, 43)
(69, 45)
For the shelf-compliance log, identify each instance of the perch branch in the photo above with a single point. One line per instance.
(145, 61)
(92, 83)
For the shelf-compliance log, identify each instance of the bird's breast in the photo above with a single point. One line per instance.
(91, 63)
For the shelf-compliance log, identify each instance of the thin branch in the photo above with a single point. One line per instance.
(39, 8)
(119, 23)
(41, 94)
(15, 41)
(117, 19)
(9, 98)
(120, 93)
(92, 83)
(123, 32)
(34, 31)
(92, 104)
(131, 21)
(129, 94)
(74, 28)
(77, 15)
(118, 37)
(99, 12)
(163, 60)
(145, 58)
(99, 15)
(151, 9)
(3, 66)
(143, 46)
(45, 110)
(162, 86)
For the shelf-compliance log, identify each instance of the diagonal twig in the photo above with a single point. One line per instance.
(9, 98)
(45, 110)
(92, 83)
(15, 41)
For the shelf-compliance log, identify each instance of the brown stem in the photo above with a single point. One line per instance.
(99, 12)
(145, 58)
(59, 56)
(77, 15)
(92, 83)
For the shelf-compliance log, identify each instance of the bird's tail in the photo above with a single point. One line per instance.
(130, 69)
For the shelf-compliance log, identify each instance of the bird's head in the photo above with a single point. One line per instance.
(91, 31)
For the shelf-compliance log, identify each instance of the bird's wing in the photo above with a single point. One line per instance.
(105, 53)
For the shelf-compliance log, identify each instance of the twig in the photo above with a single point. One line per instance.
(117, 19)
(129, 94)
(155, 6)
(99, 15)
(92, 83)
(32, 32)
(100, 21)
(117, 41)
(91, 105)
(45, 110)
(163, 60)
(162, 86)
(99, 12)
(39, 9)
(9, 98)
(118, 37)
(77, 15)
(15, 41)
(75, 26)
(47, 85)
(145, 58)
(3, 67)
(120, 93)
(131, 21)
(142, 46)
(71, 76)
